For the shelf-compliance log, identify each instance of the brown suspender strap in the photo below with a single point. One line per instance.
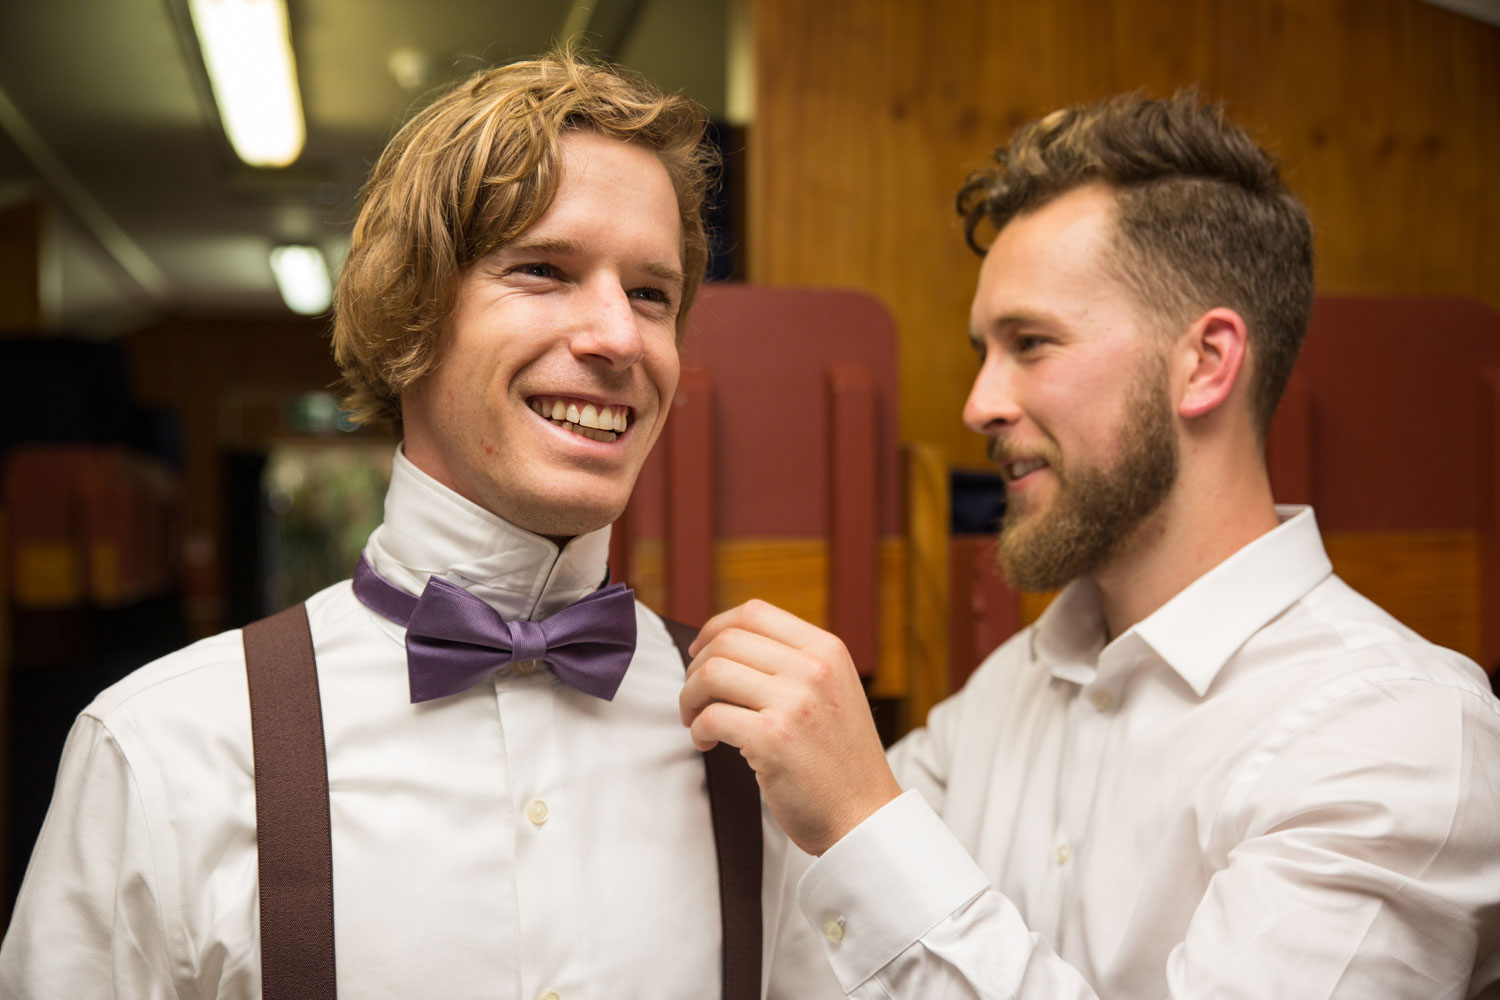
(296, 850)
(734, 801)
(291, 810)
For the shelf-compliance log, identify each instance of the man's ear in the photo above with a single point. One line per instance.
(1215, 348)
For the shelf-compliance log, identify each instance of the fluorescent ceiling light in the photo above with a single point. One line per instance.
(302, 278)
(247, 48)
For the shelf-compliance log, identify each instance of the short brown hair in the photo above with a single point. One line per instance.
(472, 171)
(1203, 218)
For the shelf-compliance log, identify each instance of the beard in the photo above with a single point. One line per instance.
(1096, 508)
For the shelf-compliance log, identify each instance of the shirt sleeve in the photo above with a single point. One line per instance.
(87, 923)
(1355, 856)
(905, 912)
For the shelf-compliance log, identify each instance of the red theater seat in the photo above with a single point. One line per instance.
(779, 474)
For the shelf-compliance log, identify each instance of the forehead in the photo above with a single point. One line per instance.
(1058, 253)
(600, 173)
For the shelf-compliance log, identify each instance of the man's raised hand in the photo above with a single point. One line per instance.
(788, 696)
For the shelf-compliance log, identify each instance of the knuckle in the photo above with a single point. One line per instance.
(831, 649)
(820, 672)
(806, 706)
(712, 671)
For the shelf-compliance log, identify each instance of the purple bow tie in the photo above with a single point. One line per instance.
(454, 640)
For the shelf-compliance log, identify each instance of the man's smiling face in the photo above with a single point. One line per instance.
(1072, 392)
(559, 359)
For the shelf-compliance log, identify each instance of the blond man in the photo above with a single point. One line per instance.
(535, 826)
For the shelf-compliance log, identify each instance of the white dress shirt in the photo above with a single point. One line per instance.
(519, 840)
(1267, 789)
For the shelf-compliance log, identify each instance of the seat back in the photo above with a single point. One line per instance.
(778, 474)
(1390, 427)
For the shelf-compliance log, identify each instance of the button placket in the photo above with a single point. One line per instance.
(546, 876)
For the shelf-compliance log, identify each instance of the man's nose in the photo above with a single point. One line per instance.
(992, 399)
(610, 329)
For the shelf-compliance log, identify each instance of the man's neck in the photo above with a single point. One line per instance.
(1207, 519)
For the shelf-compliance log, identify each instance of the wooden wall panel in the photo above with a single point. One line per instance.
(870, 112)
(1429, 580)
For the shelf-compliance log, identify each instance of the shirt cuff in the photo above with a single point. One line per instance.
(889, 881)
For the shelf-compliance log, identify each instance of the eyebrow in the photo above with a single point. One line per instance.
(1010, 320)
(558, 247)
(1022, 317)
(1018, 317)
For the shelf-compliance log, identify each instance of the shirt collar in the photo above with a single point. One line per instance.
(429, 530)
(1238, 597)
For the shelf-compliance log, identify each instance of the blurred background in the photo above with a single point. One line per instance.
(174, 461)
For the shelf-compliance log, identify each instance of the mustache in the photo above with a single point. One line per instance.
(1002, 451)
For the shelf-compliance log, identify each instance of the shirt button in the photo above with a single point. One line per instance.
(536, 811)
(549, 995)
(1102, 699)
(833, 929)
(524, 669)
(1064, 852)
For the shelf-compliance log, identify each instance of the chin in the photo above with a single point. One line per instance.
(556, 521)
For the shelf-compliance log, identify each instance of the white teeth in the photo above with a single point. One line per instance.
(599, 423)
(1019, 469)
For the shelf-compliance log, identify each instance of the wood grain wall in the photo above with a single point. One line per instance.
(869, 113)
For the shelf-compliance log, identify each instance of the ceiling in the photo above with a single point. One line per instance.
(106, 117)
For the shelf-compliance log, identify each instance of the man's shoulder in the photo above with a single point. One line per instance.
(207, 671)
(1009, 673)
(206, 662)
(1013, 652)
(1365, 637)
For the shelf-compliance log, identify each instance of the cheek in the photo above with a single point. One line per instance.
(663, 367)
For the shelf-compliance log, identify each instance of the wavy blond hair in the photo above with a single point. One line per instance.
(472, 171)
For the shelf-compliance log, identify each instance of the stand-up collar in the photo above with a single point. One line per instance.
(1198, 630)
(429, 530)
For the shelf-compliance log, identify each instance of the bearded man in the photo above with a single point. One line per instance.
(1210, 768)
